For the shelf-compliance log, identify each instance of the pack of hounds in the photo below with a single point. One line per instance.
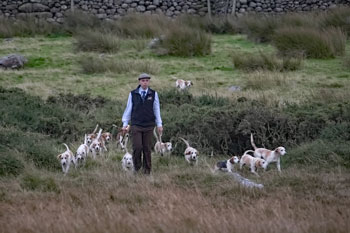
(95, 144)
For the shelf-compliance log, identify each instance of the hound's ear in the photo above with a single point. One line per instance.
(59, 156)
(188, 153)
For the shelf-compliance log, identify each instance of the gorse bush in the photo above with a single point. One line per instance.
(9, 165)
(185, 42)
(34, 147)
(312, 42)
(196, 119)
(97, 42)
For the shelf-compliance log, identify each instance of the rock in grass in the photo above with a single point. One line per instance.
(13, 61)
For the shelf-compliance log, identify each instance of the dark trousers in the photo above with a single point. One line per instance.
(142, 144)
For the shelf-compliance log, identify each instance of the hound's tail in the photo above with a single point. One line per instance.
(186, 142)
(66, 146)
(252, 142)
(85, 140)
(155, 134)
(99, 134)
(95, 129)
(126, 142)
(247, 151)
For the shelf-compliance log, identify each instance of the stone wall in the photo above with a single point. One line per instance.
(53, 10)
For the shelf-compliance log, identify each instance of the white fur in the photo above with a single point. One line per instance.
(162, 148)
(82, 152)
(127, 161)
(121, 136)
(252, 162)
(96, 146)
(191, 154)
(92, 136)
(66, 158)
(270, 156)
(229, 164)
(182, 84)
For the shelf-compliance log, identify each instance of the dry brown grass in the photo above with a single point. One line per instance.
(178, 199)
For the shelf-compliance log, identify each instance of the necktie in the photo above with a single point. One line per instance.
(143, 95)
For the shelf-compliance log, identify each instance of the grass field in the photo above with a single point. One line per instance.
(311, 194)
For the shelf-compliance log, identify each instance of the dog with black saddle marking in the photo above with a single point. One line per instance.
(226, 165)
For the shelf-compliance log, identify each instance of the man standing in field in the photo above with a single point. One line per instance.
(144, 112)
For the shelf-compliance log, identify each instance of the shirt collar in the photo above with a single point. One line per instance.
(140, 90)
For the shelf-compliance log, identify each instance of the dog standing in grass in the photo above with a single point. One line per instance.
(162, 148)
(226, 165)
(191, 154)
(253, 162)
(82, 152)
(66, 158)
(270, 156)
(127, 161)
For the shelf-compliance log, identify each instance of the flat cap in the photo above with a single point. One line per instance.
(144, 76)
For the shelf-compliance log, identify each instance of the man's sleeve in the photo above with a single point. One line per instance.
(127, 113)
(156, 110)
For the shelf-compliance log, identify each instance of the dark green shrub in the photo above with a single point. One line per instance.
(34, 147)
(34, 182)
(9, 165)
(314, 43)
(320, 153)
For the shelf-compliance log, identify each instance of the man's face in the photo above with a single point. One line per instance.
(144, 83)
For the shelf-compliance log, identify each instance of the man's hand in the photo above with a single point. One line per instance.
(160, 130)
(125, 129)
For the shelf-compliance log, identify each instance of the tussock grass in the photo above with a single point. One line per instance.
(28, 26)
(338, 17)
(346, 62)
(91, 65)
(215, 24)
(263, 81)
(312, 42)
(78, 21)
(97, 42)
(258, 28)
(140, 26)
(265, 61)
(184, 41)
